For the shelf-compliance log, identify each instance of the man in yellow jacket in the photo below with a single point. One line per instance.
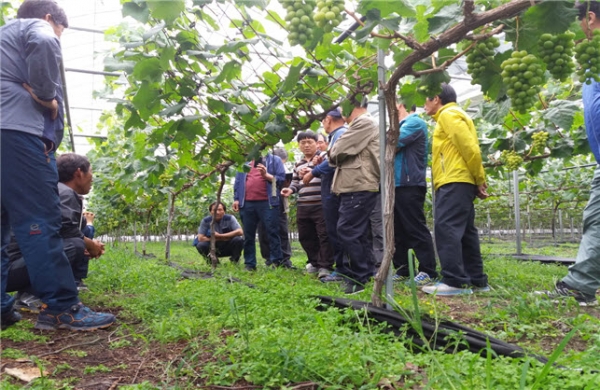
(458, 177)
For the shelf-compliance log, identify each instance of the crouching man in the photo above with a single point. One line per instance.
(229, 239)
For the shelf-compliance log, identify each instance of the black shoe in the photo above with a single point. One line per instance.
(351, 288)
(10, 318)
(286, 264)
(249, 269)
(27, 302)
(81, 286)
(563, 290)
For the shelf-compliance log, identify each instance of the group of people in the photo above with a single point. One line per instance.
(337, 182)
(43, 215)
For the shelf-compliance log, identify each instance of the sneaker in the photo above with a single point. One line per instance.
(286, 264)
(483, 289)
(311, 269)
(78, 318)
(399, 278)
(351, 288)
(443, 289)
(81, 286)
(10, 318)
(563, 290)
(422, 279)
(27, 302)
(249, 269)
(333, 277)
(323, 273)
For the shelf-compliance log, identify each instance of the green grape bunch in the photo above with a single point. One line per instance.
(300, 20)
(523, 75)
(557, 52)
(329, 14)
(478, 59)
(587, 54)
(539, 141)
(511, 160)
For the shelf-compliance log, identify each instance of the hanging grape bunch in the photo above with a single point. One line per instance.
(539, 141)
(523, 76)
(300, 20)
(512, 161)
(587, 54)
(557, 52)
(477, 59)
(329, 14)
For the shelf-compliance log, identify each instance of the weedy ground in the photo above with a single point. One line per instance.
(238, 330)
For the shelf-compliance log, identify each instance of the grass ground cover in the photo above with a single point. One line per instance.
(175, 332)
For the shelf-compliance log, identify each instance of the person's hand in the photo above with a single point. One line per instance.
(317, 160)
(89, 217)
(263, 172)
(96, 249)
(307, 178)
(52, 105)
(236, 206)
(286, 192)
(482, 191)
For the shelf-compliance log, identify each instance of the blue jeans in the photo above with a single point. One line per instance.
(251, 214)
(584, 275)
(31, 208)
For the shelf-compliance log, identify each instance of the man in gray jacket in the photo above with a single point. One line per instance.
(30, 57)
(356, 158)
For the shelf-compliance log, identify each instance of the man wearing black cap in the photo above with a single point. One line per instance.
(356, 158)
(334, 126)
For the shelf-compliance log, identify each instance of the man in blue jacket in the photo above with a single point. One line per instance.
(30, 57)
(410, 226)
(256, 197)
(334, 125)
(583, 279)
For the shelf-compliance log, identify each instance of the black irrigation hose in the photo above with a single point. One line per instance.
(476, 342)
(193, 274)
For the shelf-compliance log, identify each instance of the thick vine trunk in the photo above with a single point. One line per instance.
(214, 260)
(169, 225)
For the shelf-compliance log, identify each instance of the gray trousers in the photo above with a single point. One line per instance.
(584, 275)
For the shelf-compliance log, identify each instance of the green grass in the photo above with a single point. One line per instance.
(272, 335)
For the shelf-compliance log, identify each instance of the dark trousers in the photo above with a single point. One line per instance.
(252, 213)
(284, 237)
(331, 205)
(232, 248)
(312, 234)
(353, 233)
(411, 231)
(30, 206)
(456, 236)
(18, 276)
(74, 248)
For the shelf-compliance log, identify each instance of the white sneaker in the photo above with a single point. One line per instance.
(323, 272)
(443, 289)
(311, 269)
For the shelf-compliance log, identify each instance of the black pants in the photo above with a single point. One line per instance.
(18, 276)
(312, 233)
(284, 236)
(232, 248)
(411, 231)
(456, 236)
(353, 233)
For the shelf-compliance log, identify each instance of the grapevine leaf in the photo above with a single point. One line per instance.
(421, 29)
(230, 70)
(391, 23)
(373, 18)
(386, 7)
(445, 18)
(561, 113)
(550, 16)
(172, 110)
(148, 69)
(167, 10)
(153, 31)
(293, 76)
(112, 64)
(139, 12)
(563, 148)
(495, 112)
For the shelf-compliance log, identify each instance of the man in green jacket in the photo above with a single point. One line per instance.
(356, 180)
(458, 177)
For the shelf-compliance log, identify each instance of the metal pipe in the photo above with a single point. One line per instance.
(94, 72)
(517, 210)
(66, 103)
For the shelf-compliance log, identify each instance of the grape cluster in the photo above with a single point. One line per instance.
(329, 14)
(477, 59)
(300, 20)
(557, 52)
(523, 75)
(587, 54)
(539, 141)
(512, 161)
